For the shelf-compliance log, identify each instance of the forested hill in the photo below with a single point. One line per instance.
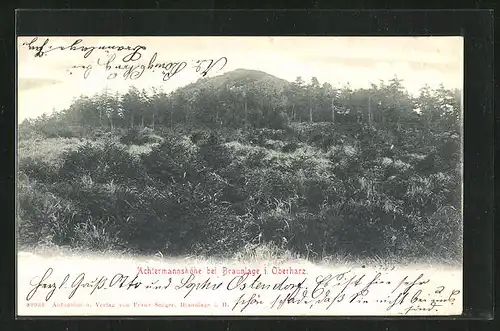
(246, 158)
(243, 98)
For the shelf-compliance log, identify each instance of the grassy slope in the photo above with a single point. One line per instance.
(312, 160)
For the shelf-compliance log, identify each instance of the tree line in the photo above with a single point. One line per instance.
(262, 103)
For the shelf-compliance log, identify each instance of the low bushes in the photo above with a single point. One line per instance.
(204, 193)
(140, 136)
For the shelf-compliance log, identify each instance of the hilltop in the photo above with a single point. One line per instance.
(238, 78)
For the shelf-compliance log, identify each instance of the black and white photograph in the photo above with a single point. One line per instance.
(239, 175)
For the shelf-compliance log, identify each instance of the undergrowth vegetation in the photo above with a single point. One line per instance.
(311, 189)
(215, 196)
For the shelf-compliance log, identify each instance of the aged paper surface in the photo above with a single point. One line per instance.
(239, 176)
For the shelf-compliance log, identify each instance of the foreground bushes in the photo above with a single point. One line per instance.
(207, 193)
(101, 162)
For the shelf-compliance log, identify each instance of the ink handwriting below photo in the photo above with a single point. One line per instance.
(402, 295)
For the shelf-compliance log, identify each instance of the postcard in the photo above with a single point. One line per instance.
(239, 176)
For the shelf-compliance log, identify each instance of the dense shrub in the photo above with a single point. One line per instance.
(101, 162)
(140, 136)
(44, 217)
(38, 169)
(175, 160)
(206, 192)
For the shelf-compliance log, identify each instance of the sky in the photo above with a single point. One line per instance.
(45, 83)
